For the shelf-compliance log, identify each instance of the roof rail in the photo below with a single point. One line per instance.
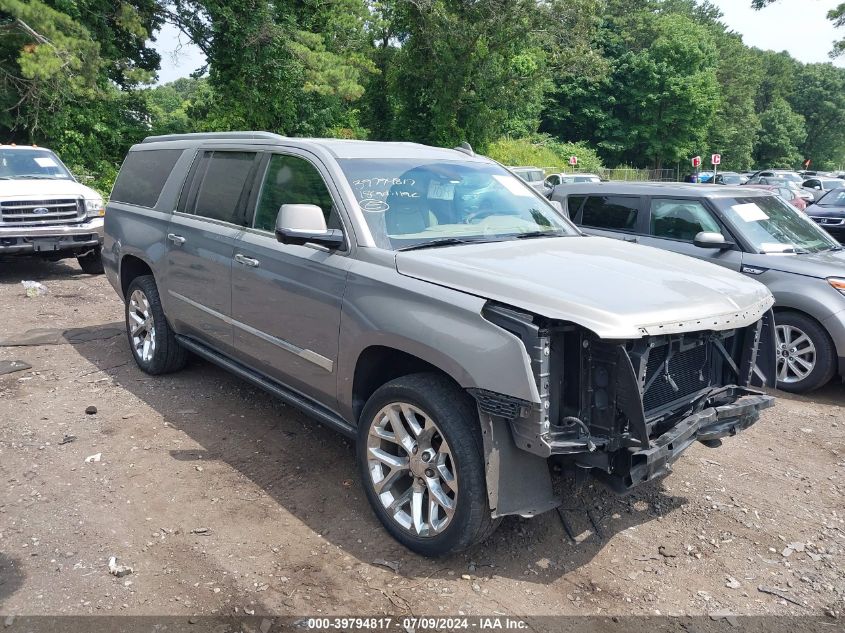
(203, 136)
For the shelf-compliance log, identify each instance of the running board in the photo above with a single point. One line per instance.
(304, 404)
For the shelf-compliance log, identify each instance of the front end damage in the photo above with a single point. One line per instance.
(624, 409)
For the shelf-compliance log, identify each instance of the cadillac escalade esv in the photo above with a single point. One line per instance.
(433, 306)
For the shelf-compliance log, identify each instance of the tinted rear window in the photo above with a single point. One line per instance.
(143, 175)
(222, 184)
(616, 213)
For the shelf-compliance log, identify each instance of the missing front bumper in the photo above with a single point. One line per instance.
(636, 466)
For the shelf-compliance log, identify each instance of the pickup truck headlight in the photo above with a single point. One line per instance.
(838, 284)
(94, 207)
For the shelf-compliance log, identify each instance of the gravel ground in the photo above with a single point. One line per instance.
(224, 501)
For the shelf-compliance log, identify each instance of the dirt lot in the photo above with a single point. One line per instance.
(226, 501)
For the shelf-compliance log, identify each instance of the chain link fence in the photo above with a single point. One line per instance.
(631, 174)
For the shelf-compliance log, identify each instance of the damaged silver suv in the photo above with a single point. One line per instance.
(430, 304)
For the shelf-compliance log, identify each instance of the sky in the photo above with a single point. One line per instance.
(797, 26)
(800, 27)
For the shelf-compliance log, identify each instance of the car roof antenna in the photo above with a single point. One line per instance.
(466, 148)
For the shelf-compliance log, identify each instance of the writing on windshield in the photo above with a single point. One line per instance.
(409, 202)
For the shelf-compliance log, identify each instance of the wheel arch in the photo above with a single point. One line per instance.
(132, 267)
(378, 364)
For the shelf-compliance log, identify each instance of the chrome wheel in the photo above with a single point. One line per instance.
(796, 354)
(142, 331)
(411, 469)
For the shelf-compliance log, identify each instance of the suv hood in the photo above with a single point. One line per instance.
(617, 290)
(41, 188)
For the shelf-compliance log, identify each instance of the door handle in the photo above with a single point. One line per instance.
(247, 261)
(176, 239)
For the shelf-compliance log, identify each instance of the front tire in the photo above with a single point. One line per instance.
(421, 462)
(806, 357)
(153, 343)
(91, 263)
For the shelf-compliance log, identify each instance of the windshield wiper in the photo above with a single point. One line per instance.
(444, 241)
(531, 234)
(36, 177)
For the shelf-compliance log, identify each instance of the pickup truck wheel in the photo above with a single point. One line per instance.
(420, 457)
(151, 340)
(805, 353)
(91, 263)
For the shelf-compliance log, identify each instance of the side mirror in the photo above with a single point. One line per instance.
(304, 224)
(707, 239)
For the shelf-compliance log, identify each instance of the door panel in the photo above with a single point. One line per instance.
(286, 299)
(199, 301)
(286, 312)
(201, 242)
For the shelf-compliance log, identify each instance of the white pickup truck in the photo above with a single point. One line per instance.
(45, 212)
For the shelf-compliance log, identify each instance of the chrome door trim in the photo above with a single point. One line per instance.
(306, 354)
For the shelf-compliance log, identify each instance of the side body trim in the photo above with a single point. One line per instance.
(307, 354)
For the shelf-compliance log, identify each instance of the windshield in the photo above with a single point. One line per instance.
(731, 179)
(835, 198)
(410, 202)
(771, 225)
(30, 163)
(831, 184)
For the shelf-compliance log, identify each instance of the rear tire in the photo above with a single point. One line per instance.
(420, 458)
(153, 343)
(806, 355)
(91, 263)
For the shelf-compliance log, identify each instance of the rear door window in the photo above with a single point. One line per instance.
(143, 175)
(220, 187)
(613, 213)
(681, 219)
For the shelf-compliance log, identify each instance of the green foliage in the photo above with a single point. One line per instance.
(821, 101)
(653, 105)
(781, 133)
(645, 83)
(466, 71)
(543, 151)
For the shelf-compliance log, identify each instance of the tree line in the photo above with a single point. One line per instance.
(646, 83)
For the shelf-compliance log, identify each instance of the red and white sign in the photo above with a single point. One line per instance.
(696, 162)
(573, 160)
(715, 159)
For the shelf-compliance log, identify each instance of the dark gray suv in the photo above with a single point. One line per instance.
(435, 307)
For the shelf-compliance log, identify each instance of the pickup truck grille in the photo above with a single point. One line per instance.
(688, 371)
(40, 212)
